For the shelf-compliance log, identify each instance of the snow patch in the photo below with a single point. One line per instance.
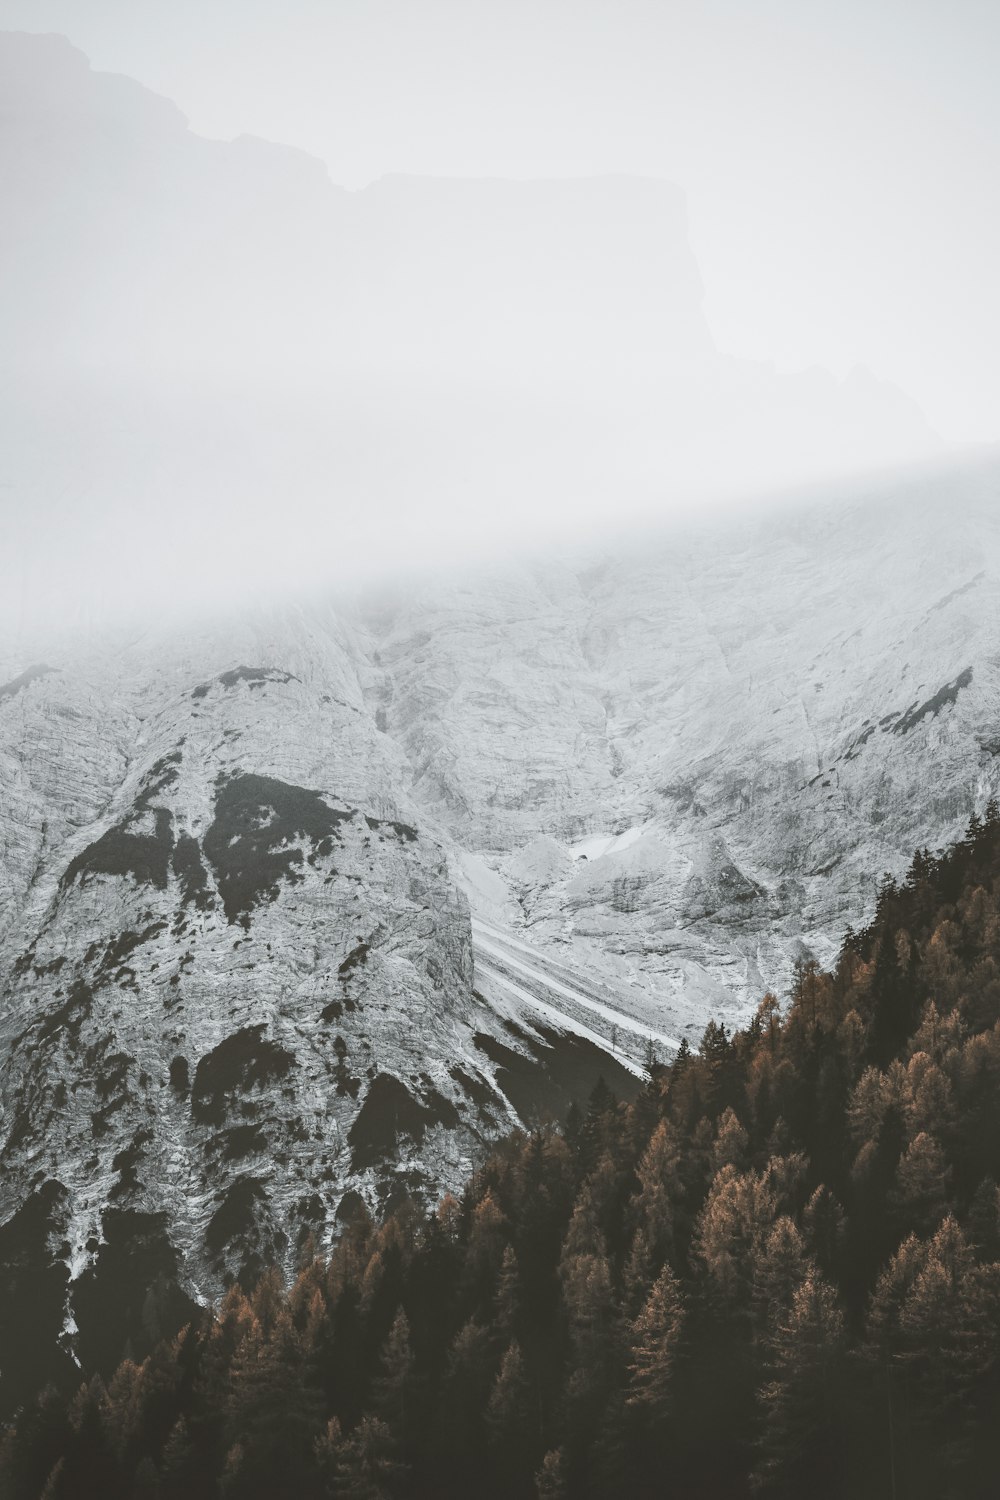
(599, 844)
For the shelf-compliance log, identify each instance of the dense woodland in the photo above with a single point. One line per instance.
(777, 1273)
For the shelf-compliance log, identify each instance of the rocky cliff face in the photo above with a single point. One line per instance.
(237, 972)
(225, 938)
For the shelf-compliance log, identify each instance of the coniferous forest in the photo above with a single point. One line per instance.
(776, 1273)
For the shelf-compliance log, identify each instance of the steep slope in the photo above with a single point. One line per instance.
(683, 762)
(237, 976)
(777, 1274)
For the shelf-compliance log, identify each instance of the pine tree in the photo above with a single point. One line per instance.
(657, 1173)
(823, 1225)
(551, 1480)
(268, 1300)
(237, 1479)
(272, 1409)
(717, 1054)
(30, 1447)
(637, 1275)
(488, 1238)
(465, 1389)
(360, 1466)
(779, 1267)
(736, 1213)
(395, 1386)
(801, 1402)
(882, 1338)
(949, 1321)
(507, 1408)
(229, 1328)
(587, 1297)
(919, 1196)
(507, 1299)
(655, 1337)
(731, 1142)
(584, 1235)
(984, 1220)
(894, 992)
(510, 1424)
(930, 1106)
(53, 1487)
(91, 1464)
(180, 1465)
(124, 1409)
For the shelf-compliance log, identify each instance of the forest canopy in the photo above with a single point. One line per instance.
(776, 1273)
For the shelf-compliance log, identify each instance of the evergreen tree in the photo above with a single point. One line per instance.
(656, 1172)
(395, 1387)
(801, 1439)
(551, 1479)
(273, 1411)
(919, 1196)
(361, 1466)
(780, 1266)
(180, 1466)
(655, 1336)
(510, 1425)
(508, 1296)
(984, 1220)
(731, 1142)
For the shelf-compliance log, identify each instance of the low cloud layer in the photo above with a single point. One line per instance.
(222, 374)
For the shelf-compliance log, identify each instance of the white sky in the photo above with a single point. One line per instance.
(841, 157)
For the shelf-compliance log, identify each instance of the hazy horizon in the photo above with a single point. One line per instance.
(837, 161)
(223, 374)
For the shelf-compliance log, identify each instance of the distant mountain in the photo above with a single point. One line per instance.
(192, 328)
(162, 252)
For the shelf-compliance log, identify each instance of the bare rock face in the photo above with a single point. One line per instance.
(301, 908)
(690, 761)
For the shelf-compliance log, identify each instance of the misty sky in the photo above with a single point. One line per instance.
(841, 157)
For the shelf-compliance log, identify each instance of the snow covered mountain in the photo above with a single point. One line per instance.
(704, 750)
(302, 904)
(302, 907)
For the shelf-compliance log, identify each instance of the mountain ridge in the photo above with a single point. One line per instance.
(409, 859)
